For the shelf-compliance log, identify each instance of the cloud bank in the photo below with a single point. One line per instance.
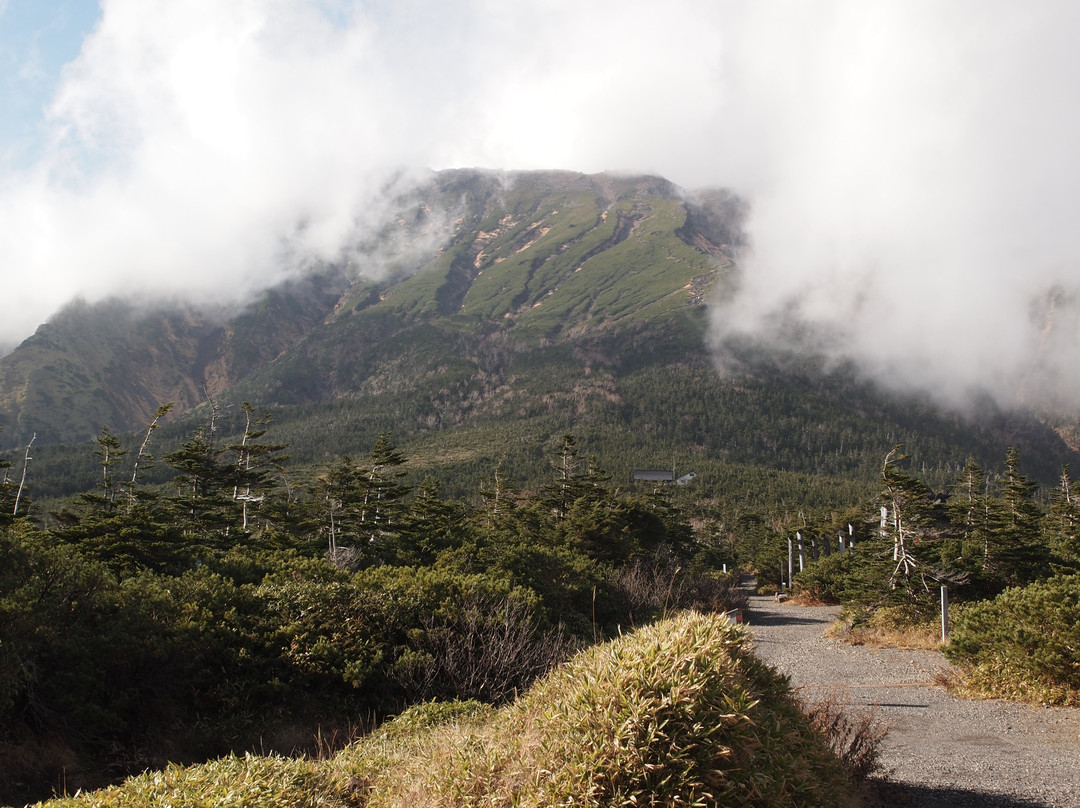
(917, 208)
(910, 165)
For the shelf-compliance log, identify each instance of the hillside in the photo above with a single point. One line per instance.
(490, 314)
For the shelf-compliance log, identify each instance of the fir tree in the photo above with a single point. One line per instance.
(1017, 553)
(256, 462)
(1062, 525)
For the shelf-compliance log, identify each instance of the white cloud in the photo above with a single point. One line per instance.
(910, 164)
(920, 190)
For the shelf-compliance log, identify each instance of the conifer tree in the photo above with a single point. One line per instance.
(914, 522)
(7, 493)
(570, 483)
(1062, 526)
(430, 525)
(334, 501)
(203, 502)
(970, 510)
(255, 463)
(109, 453)
(380, 489)
(143, 458)
(1017, 553)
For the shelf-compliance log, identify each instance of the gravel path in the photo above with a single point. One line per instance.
(942, 751)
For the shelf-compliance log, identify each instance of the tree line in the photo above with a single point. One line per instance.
(986, 532)
(141, 623)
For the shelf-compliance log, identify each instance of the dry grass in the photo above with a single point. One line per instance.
(998, 680)
(676, 714)
(806, 598)
(887, 628)
(855, 735)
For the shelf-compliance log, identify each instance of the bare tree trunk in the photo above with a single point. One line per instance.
(158, 415)
(22, 482)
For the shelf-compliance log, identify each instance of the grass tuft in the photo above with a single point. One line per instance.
(679, 713)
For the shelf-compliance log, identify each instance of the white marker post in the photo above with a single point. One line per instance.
(944, 614)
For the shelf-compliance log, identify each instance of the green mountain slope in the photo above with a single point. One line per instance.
(491, 314)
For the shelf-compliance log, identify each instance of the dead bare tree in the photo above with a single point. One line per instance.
(159, 413)
(22, 481)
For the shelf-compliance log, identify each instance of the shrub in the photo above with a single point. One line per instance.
(657, 585)
(679, 713)
(855, 737)
(266, 781)
(843, 578)
(1023, 644)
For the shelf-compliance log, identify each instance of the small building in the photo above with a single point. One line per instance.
(683, 480)
(655, 475)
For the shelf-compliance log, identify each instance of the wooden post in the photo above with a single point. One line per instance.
(843, 543)
(802, 550)
(813, 548)
(790, 561)
(850, 539)
(826, 546)
(944, 614)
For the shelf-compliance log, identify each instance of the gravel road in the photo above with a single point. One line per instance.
(942, 751)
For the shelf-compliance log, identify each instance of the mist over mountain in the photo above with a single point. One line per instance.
(490, 312)
(909, 166)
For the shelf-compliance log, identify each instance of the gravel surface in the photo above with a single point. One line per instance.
(941, 751)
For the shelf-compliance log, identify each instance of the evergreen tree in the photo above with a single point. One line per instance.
(7, 493)
(429, 526)
(380, 492)
(1062, 525)
(914, 523)
(570, 482)
(1017, 553)
(129, 533)
(334, 502)
(970, 510)
(109, 453)
(143, 458)
(256, 462)
(204, 502)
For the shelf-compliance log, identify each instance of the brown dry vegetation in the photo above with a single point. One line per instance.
(678, 713)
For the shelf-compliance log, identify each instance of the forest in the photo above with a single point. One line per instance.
(234, 607)
(230, 610)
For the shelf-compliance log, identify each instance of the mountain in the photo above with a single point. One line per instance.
(490, 312)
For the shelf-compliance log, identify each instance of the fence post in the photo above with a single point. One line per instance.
(944, 614)
(802, 550)
(790, 561)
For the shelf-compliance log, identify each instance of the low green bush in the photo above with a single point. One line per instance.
(1023, 644)
(834, 579)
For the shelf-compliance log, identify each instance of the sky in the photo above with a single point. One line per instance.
(910, 165)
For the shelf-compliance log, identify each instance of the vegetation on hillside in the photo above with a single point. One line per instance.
(227, 610)
(417, 510)
(1010, 558)
(678, 713)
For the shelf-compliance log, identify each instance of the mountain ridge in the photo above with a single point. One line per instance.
(488, 313)
(111, 363)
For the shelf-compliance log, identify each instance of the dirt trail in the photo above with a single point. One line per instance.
(942, 751)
